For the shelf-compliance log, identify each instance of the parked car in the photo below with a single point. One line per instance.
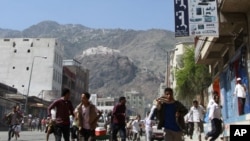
(157, 134)
(101, 121)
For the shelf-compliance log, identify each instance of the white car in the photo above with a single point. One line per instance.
(157, 134)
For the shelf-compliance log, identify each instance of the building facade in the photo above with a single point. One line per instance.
(106, 104)
(135, 102)
(32, 65)
(76, 79)
(228, 58)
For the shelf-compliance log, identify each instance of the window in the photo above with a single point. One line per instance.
(15, 50)
(13, 67)
(31, 45)
(6, 40)
(27, 68)
(14, 44)
(25, 39)
(28, 50)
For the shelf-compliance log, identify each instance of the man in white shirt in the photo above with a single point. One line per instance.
(189, 124)
(215, 117)
(136, 127)
(148, 123)
(240, 92)
(197, 113)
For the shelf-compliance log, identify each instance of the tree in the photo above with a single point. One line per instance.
(191, 78)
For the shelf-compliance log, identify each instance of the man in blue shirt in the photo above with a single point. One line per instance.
(170, 114)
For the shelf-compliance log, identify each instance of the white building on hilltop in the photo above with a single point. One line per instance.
(37, 61)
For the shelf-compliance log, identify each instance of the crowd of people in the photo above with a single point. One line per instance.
(79, 123)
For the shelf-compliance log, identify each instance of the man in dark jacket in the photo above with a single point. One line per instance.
(170, 114)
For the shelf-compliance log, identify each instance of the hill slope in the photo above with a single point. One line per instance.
(140, 64)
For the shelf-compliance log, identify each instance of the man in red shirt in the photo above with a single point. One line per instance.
(119, 124)
(64, 109)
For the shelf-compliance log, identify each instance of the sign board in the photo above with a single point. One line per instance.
(181, 18)
(202, 18)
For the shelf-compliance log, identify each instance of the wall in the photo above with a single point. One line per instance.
(18, 54)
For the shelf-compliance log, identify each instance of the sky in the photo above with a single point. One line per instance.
(124, 14)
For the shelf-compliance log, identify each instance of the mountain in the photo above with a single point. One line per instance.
(139, 65)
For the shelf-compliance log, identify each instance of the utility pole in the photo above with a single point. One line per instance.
(168, 66)
(31, 70)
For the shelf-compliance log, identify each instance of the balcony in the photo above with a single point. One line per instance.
(205, 53)
(232, 6)
(232, 21)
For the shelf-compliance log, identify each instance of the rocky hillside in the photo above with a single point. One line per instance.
(140, 63)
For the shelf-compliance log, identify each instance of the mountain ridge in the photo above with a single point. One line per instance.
(146, 49)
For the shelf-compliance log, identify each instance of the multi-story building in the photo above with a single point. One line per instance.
(32, 65)
(75, 78)
(106, 104)
(176, 62)
(135, 102)
(228, 57)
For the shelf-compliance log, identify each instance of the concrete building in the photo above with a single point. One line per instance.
(75, 78)
(106, 104)
(176, 60)
(25, 67)
(228, 58)
(135, 102)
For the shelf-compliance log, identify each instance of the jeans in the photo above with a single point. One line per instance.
(10, 131)
(216, 129)
(87, 134)
(60, 130)
(116, 128)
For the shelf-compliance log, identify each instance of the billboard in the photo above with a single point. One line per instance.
(202, 17)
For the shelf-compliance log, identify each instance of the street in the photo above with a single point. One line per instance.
(41, 136)
(27, 136)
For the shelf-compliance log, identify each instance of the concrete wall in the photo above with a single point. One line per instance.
(17, 55)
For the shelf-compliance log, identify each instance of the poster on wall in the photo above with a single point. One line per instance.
(202, 18)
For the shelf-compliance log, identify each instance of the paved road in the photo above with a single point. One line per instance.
(27, 136)
(41, 136)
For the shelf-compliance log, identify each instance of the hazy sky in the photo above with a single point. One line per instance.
(124, 14)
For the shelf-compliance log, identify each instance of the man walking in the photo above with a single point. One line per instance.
(170, 114)
(64, 109)
(148, 123)
(197, 114)
(87, 116)
(119, 124)
(215, 117)
(13, 120)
